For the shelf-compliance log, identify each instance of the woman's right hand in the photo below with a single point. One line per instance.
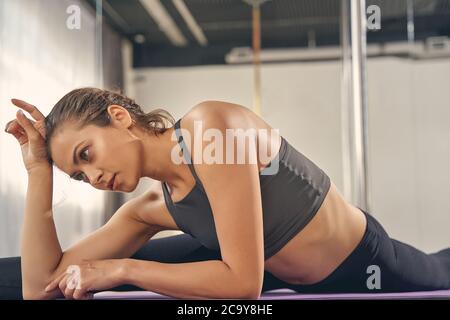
(30, 135)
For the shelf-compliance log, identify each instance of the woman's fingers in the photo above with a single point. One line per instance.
(20, 136)
(14, 125)
(27, 125)
(63, 285)
(14, 128)
(68, 284)
(68, 293)
(9, 125)
(32, 110)
(73, 285)
(54, 284)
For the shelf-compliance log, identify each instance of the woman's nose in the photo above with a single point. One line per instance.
(95, 177)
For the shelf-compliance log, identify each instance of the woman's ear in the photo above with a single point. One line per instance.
(120, 116)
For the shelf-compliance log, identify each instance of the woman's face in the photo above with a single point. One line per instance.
(105, 157)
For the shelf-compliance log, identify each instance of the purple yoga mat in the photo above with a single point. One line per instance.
(287, 294)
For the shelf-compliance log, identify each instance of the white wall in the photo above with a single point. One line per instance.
(409, 135)
(40, 61)
(409, 108)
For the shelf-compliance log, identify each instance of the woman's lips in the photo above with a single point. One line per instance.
(111, 183)
(114, 183)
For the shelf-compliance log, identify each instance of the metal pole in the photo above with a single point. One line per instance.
(410, 26)
(359, 119)
(256, 13)
(346, 102)
(256, 44)
(99, 42)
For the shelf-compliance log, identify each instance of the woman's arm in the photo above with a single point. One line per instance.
(40, 249)
(42, 257)
(193, 280)
(212, 279)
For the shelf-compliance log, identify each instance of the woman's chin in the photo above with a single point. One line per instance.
(127, 188)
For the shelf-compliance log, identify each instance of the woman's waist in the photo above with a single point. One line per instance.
(322, 245)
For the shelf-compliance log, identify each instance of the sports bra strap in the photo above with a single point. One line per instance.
(185, 151)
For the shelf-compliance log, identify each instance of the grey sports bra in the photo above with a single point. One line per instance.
(290, 199)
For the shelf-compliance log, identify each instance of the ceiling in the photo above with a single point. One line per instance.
(220, 25)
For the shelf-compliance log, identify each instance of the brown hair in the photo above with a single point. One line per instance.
(89, 106)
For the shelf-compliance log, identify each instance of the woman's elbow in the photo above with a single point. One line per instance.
(251, 290)
(33, 294)
(38, 294)
(251, 295)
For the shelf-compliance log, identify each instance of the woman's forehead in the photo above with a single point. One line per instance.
(62, 146)
(63, 143)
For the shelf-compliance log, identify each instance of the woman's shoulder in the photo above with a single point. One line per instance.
(216, 114)
(220, 120)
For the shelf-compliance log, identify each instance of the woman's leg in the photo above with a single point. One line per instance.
(10, 278)
(410, 269)
(174, 249)
(405, 268)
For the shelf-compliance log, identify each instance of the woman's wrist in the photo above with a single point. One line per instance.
(124, 269)
(42, 168)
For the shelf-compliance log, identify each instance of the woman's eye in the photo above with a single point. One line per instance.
(85, 179)
(81, 177)
(84, 155)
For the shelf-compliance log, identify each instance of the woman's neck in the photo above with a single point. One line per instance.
(157, 162)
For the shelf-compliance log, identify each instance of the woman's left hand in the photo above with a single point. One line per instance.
(80, 281)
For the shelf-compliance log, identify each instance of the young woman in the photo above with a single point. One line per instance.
(249, 226)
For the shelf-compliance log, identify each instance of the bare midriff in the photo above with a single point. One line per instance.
(319, 248)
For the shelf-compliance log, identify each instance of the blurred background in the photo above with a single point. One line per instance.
(362, 88)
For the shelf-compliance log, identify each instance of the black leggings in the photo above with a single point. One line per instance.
(399, 266)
